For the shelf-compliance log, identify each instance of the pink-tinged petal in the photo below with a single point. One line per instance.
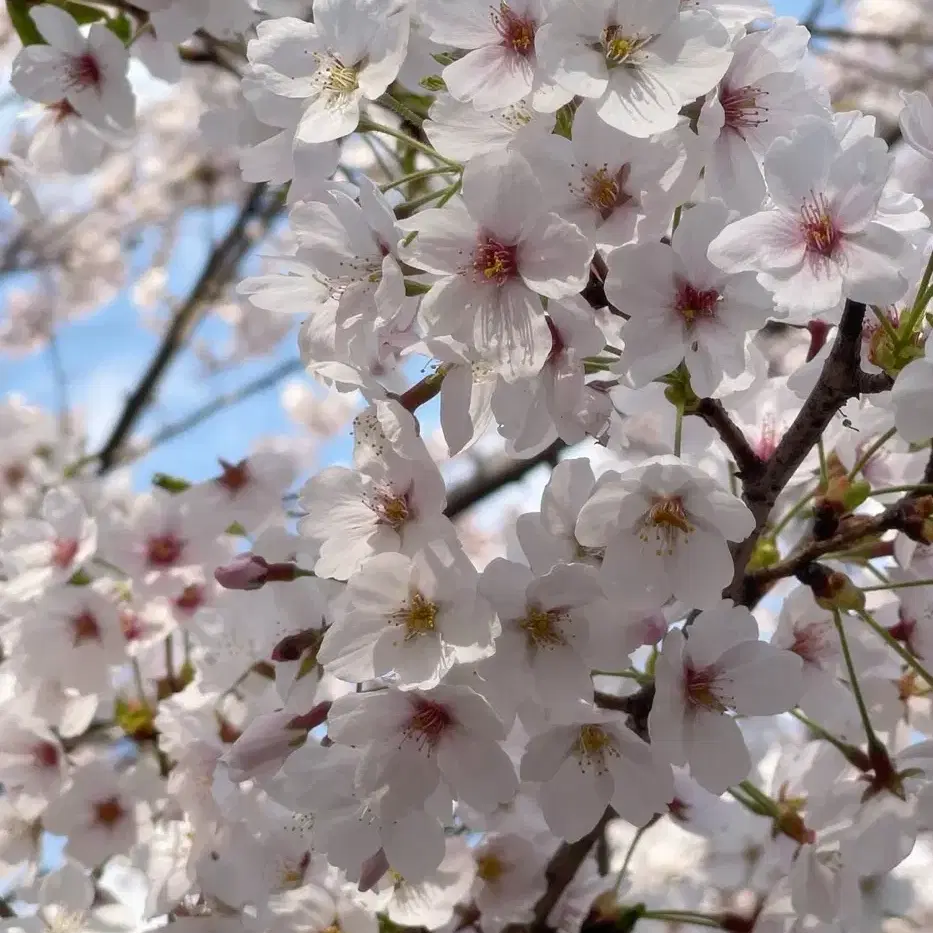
(554, 257)
(566, 586)
(871, 265)
(700, 567)
(575, 798)
(813, 288)
(501, 194)
(479, 773)
(445, 241)
(562, 679)
(717, 630)
(491, 77)
(764, 241)
(545, 753)
(916, 121)
(58, 28)
(644, 785)
(414, 845)
(641, 278)
(716, 751)
(570, 61)
(799, 165)
(759, 679)
(635, 567)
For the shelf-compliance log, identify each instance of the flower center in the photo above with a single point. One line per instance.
(235, 476)
(699, 689)
(130, 625)
(428, 723)
(542, 629)
(518, 34)
(419, 617)
(592, 743)
(768, 438)
(618, 46)
(390, 509)
(337, 77)
(819, 228)
(108, 812)
(494, 261)
(489, 867)
(811, 642)
(164, 550)
(742, 107)
(84, 628)
(45, 755)
(694, 304)
(84, 71)
(667, 521)
(63, 552)
(191, 598)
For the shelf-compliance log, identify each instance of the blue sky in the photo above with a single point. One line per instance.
(104, 354)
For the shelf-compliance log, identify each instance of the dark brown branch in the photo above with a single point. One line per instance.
(261, 207)
(750, 465)
(488, 481)
(901, 516)
(840, 380)
(561, 870)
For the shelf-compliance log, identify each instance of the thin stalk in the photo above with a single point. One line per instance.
(902, 585)
(368, 126)
(873, 739)
(418, 176)
(678, 430)
(906, 656)
(682, 916)
(631, 851)
(872, 449)
(793, 512)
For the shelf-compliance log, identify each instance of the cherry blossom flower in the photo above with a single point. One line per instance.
(821, 241)
(409, 618)
(640, 65)
(721, 667)
(595, 763)
(498, 253)
(664, 526)
(90, 73)
(350, 53)
(682, 308)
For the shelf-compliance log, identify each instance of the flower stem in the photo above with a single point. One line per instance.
(678, 429)
(418, 176)
(682, 916)
(902, 585)
(898, 648)
(793, 511)
(631, 850)
(368, 126)
(873, 739)
(906, 330)
(872, 449)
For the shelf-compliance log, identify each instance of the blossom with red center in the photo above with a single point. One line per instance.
(45, 755)
(695, 304)
(743, 107)
(85, 628)
(818, 226)
(494, 262)
(63, 552)
(235, 477)
(85, 71)
(700, 688)
(518, 32)
(428, 723)
(108, 812)
(190, 599)
(164, 550)
(130, 624)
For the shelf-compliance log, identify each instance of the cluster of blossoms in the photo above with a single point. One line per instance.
(293, 700)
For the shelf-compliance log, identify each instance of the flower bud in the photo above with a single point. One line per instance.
(832, 590)
(264, 745)
(245, 572)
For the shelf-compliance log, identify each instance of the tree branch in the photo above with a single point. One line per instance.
(711, 410)
(261, 206)
(840, 380)
(561, 870)
(488, 481)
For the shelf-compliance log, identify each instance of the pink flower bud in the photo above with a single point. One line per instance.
(264, 745)
(245, 572)
(372, 870)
